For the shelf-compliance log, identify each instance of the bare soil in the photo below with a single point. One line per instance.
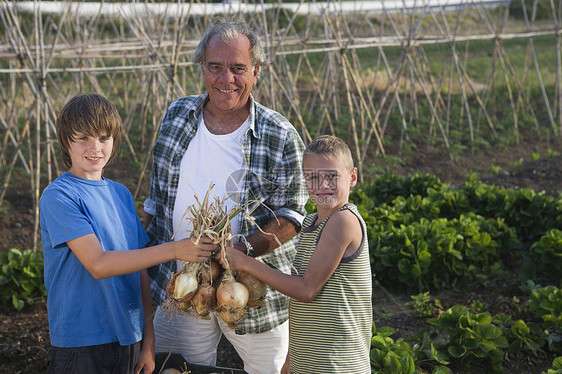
(24, 335)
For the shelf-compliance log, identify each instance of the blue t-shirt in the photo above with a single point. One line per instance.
(82, 310)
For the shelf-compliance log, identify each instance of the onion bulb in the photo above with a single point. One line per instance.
(256, 288)
(256, 304)
(232, 295)
(204, 300)
(232, 298)
(182, 285)
(210, 272)
(232, 316)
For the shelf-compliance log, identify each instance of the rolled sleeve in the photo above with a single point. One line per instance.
(292, 215)
(292, 195)
(150, 206)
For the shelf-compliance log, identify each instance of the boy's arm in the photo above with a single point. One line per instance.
(342, 232)
(146, 363)
(103, 264)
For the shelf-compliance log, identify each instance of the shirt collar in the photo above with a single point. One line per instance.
(253, 123)
(197, 109)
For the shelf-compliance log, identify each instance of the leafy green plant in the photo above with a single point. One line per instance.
(530, 213)
(519, 334)
(556, 367)
(471, 337)
(547, 252)
(478, 306)
(21, 277)
(440, 253)
(387, 187)
(310, 206)
(390, 356)
(422, 306)
(546, 303)
(423, 235)
(535, 156)
(470, 340)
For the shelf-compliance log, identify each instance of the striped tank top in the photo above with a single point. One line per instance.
(332, 334)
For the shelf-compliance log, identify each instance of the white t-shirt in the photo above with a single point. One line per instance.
(210, 158)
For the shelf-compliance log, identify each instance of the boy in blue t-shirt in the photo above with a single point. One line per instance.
(100, 312)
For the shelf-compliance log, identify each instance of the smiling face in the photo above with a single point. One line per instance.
(89, 155)
(89, 134)
(328, 181)
(229, 75)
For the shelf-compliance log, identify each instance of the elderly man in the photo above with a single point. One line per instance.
(247, 150)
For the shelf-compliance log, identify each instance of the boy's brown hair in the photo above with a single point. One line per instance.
(88, 114)
(330, 147)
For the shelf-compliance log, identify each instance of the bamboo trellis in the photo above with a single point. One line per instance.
(348, 74)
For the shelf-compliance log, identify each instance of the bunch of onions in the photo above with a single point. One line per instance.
(229, 298)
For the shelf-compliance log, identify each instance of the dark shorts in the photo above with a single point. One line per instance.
(110, 358)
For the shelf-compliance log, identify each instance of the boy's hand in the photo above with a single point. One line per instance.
(234, 257)
(200, 252)
(146, 363)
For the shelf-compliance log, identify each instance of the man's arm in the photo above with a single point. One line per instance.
(287, 202)
(279, 230)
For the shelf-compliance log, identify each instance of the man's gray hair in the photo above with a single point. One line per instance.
(229, 30)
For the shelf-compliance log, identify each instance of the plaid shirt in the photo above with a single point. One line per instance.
(272, 152)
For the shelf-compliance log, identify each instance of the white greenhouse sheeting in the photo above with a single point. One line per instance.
(175, 9)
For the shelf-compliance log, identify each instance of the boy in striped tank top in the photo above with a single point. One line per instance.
(330, 286)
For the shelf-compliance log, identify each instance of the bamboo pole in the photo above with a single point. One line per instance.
(558, 82)
(36, 182)
(536, 64)
(323, 103)
(432, 108)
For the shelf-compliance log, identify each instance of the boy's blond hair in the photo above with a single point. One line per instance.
(330, 147)
(88, 114)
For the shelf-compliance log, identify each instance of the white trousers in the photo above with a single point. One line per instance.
(196, 339)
